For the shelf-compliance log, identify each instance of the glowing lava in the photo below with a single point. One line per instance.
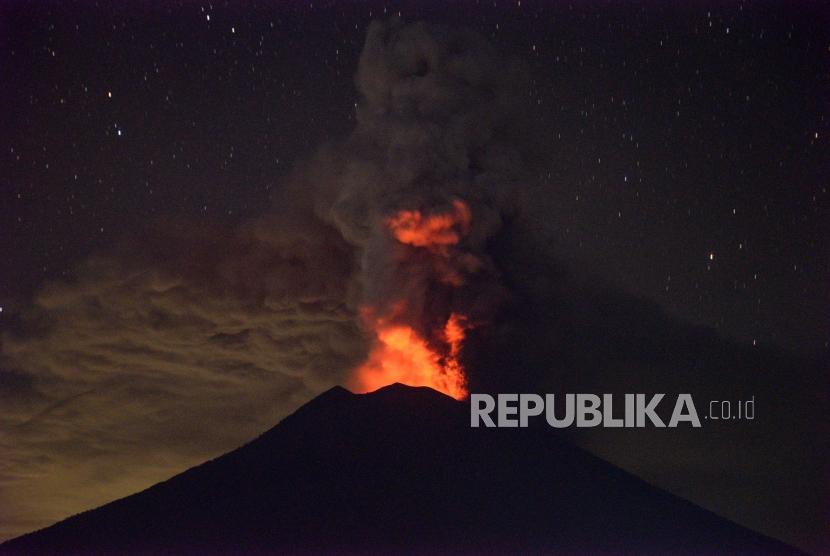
(400, 354)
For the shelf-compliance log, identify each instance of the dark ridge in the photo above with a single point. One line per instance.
(398, 470)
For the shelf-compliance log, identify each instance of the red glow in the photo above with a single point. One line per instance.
(400, 354)
(433, 231)
(400, 351)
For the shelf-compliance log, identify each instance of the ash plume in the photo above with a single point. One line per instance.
(434, 160)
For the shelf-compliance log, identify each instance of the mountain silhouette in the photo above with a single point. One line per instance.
(398, 470)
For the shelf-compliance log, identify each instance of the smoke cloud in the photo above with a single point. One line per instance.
(436, 144)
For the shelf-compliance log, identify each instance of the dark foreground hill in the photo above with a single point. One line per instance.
(398, 470)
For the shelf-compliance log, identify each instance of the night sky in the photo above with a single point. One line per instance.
(680, 158)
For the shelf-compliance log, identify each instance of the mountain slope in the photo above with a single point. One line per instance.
(392, 471)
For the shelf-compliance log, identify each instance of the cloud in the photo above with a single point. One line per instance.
(162, 353)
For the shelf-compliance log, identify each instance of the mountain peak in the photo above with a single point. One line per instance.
(398, 470)
(335, 392)
(398, 389)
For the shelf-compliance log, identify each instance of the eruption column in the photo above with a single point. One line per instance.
(400, 352)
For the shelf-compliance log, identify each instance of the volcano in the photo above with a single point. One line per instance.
(398, 470)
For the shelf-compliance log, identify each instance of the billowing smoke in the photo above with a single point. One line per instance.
(418, 190)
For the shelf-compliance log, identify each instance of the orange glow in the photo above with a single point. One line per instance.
(434, 231)
(400, 354)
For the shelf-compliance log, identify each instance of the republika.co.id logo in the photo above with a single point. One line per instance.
(591, 410)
